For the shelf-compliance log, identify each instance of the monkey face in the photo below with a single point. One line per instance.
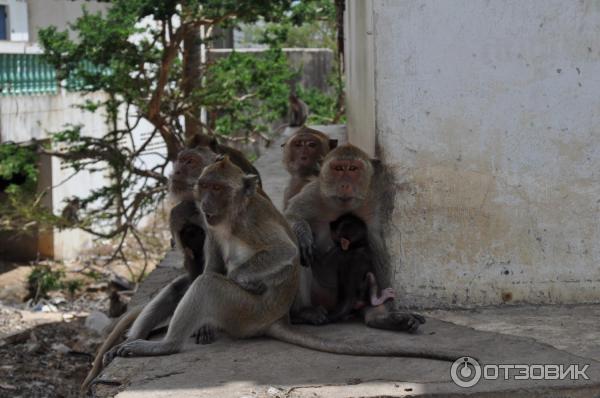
(305, 150)
(187, 168)
(223, 191)
(346, 181)
(212, 198)
(305, 153)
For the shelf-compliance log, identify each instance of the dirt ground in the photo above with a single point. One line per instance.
(46, 349)
(49, 360)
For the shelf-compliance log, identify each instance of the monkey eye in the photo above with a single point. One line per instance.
(338, 168)
(216, 187)
(203, 185)
(312, 144)
(352, 168)
(298, 143)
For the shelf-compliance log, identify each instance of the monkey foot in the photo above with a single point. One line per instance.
(139, 348)
(409, 321)
(205, 335)
(396, 320)
(312, 316)
(109, 356)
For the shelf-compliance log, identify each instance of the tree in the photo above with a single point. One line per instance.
(143, 54)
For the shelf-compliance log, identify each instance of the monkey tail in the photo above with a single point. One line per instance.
(282, 331)
(124, 322)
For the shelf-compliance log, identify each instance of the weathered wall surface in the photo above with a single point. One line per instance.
(27, 117)
(490, 114)
(23, 118)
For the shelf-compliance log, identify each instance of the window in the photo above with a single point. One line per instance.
(3, 23)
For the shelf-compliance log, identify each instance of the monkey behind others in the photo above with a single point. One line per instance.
(303, 153)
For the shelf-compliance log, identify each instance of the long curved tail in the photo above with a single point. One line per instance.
(281, 330)
(125, 322)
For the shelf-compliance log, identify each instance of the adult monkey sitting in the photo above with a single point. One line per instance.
(187, 229)
(303, 153)
(348, 183)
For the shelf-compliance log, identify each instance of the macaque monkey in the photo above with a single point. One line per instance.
(251, 275)
(298, 110)
(188, 231)
(235, 156)
(303, 153)
(184, 220)
(351, 259)
(348, 183)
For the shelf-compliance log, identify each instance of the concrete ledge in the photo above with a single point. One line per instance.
(265, 368)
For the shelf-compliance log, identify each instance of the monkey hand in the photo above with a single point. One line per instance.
(205, 335)
(254, 287)
(305, 242)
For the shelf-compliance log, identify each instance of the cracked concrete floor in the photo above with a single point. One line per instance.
(266, 368)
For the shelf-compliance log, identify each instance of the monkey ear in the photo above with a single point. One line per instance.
(249, 184)
(333, 143)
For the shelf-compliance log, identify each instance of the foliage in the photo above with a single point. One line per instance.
(21, 209)
(324, 108)
(249, 91)
(72, 286)
(310, 24)
(43, 279)
(18, 161)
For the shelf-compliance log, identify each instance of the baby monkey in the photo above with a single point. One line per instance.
(353, 261)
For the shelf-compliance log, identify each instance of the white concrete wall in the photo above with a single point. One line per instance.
(23, 118)
(26, 17)
(489, 113)
(360, 73)
(44, 13)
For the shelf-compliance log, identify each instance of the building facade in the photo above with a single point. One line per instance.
(32, 107)
(488, 113)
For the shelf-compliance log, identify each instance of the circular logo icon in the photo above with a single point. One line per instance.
(465, 372)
